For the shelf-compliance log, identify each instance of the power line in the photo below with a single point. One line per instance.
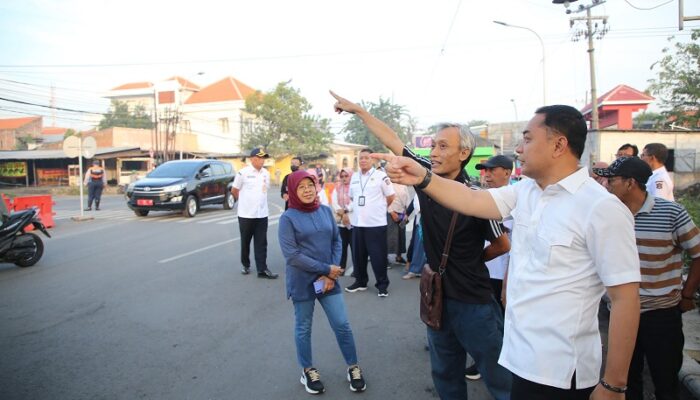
(650, 8)
(45, 106)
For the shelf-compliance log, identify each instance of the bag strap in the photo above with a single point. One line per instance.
(448, 242)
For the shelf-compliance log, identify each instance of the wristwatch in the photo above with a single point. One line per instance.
(426, 180)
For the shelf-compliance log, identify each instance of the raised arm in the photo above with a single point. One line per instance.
(386, 135)
(451, 194)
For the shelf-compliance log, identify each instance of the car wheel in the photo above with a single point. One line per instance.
(191, 206)
(229, 201)
(141, 213)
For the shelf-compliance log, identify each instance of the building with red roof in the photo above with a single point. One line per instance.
(19, 133)
(213, 113)
(615, 108)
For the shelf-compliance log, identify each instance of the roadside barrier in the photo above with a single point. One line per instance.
(44, 203)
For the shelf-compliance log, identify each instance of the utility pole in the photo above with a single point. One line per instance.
(591, 30)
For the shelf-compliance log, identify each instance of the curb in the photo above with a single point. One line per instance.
(689, 375)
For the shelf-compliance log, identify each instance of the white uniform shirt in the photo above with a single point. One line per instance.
(371, 188)
(498, 266)
(569, 241)
(660, 184)
(253, 186)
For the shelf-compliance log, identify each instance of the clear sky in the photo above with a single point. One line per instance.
(444, 60)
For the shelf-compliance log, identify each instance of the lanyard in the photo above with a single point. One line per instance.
(362, 187)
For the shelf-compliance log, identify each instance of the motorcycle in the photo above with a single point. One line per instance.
(17, 246)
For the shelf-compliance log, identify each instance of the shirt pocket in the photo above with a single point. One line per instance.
(550, 247)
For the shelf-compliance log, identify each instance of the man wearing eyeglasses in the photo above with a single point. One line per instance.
(664, 230)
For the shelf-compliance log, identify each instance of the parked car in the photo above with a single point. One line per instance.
(185, 185)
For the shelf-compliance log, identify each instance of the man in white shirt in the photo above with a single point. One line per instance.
(371, 193)
(250, 190)
(660, 183)
(571, 241)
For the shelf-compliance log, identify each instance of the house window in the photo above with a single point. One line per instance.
(166, 97)
(223, 122)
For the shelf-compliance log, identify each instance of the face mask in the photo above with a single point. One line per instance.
(294, 168)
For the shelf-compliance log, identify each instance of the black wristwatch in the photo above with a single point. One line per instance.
(426, 180)
(616, 389)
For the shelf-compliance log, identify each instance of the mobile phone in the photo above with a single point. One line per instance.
(318, 287)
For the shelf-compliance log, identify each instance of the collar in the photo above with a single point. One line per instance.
(660, 169)
(648, 204)
(369, 172)
(574, 181)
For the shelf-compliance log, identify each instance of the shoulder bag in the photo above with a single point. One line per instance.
(431, 285)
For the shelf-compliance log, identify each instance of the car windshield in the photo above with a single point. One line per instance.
(174, 170)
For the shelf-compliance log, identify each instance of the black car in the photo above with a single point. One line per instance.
(182, 185)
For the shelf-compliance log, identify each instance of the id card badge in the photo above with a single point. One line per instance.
(361, 201)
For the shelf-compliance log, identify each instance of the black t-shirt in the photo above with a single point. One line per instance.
(466, 277)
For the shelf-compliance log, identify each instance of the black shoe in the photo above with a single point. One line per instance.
(311, 380)
(267, 274)
(472, 373)
(357, 382)
(88, 209)
(245, 270)
(383, 293)
(399, 260)
(355, 287)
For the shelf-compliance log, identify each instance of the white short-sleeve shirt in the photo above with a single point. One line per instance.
(660, 184)
(570, 240)
(372, 189)
(253, 186)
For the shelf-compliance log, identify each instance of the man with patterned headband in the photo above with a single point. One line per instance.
(663, 230)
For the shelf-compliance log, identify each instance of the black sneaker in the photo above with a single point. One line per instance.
(472, 373)
(245, 270)
(357, 382)
(311, 380)
(355, 287)
(383, 293)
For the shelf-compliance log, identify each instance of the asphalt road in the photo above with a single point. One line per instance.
(123, 307)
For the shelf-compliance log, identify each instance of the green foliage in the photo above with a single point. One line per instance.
(678, 81)
(284, 125)
(70, 132)
(649, 120)
(120, 115)
(394, 115)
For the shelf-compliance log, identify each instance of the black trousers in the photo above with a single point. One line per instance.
(346, 239)
(95, 192)
(370, 242)
(254, 228)
(660, 340)
(528, 390)
(497, 286)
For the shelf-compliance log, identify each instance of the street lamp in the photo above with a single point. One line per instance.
(515, 108)
(544, 74)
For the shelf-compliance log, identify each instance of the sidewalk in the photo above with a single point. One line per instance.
(690, 371)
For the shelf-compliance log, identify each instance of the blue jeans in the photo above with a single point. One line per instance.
(418, 258)
(473, 328)
(334, 307)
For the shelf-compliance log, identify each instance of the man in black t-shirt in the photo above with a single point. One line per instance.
(472, 320)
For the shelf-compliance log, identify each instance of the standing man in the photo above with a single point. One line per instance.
(371, 193)
(472, 321)
(627, 150)
(95, 179)
(562, 261)
(250, 190)
(497, 172)
(295, 163)
(396, 223)
(660, 183)
(663, 230)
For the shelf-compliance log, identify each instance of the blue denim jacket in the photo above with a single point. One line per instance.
(310, 243)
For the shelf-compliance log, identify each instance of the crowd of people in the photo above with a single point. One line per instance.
(528, 264)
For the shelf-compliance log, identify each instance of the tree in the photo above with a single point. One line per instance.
(394, 115)
(678, 81)
(70, 132)
(283, 124)
(120, 115)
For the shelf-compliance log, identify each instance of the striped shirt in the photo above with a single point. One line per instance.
(663, 230)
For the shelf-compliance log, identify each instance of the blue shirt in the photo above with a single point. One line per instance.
(310, 243)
